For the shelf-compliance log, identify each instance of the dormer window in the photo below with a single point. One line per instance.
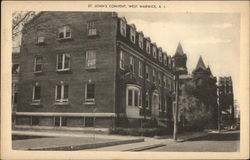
(154, 51)
(160, 56)
(169, 61)
(91, 29)
(132, 33)
(148, 47)
(165, 59)
(123, 27)
(64, 32)
(141, 41)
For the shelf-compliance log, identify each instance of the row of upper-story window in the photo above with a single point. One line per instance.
(62, 93)
(63, 61)
(154, 76)
(65, 32)
(157, 52)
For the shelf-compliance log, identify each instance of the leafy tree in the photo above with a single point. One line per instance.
(195, 102)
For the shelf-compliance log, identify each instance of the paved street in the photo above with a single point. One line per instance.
(214, 142)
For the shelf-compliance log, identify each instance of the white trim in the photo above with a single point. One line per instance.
(66, 114)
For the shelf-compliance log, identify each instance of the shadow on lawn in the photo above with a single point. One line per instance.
(218, 137)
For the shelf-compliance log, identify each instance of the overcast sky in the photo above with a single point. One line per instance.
(215, 37)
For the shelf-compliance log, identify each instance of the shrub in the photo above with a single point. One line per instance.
(148, 132)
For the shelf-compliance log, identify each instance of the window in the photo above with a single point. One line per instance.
(60, 121)
(154, 52)
(64, 32)
(34, 121)
(166, 105)
(169, 83)
(148, 47)
(147, 100)
(123, 28)
(132, 64)
(160, 105)
(63, 62)
(91, 29)
(141, 41)
(38, 64)
(132, 34)
(172, 84)
(89, 122)
(63, 121)
(14, 93)
(15, 68)
(133, 96)
(122, 60)
(36, 92)
(62, 93)
(164, 81)
(40, 37)
(165, 59)
(153, 75)
(91, 59)
(159, 79)
(160, 56)
(140, 68)
(147, 73)
(169, 61)
(90, 92)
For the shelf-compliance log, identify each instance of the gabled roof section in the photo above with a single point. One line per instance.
(200, 64)
(154, 44)
(209, 70)
(133, 26)
(179, 51)
(148, 39)
(141, 33)
(124, 19)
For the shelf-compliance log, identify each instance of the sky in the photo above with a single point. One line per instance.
(214, 36)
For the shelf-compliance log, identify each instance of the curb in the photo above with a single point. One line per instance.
(88, 146)
(146, 147)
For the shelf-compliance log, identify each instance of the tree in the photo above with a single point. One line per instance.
(194, 103)
(19, 18)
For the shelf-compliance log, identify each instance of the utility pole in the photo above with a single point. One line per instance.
(176, 107)
(218, 105)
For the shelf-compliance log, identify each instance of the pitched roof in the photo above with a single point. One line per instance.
(209, 70)
(179, 50)
(200, 64)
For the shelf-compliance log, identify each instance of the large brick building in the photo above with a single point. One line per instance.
(84, 69)
(226, 100)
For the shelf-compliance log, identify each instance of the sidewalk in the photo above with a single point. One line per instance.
(57, 140)
(150, 143)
